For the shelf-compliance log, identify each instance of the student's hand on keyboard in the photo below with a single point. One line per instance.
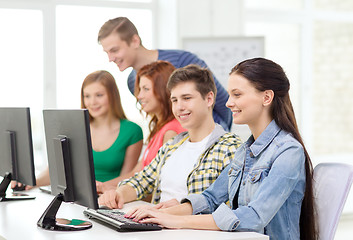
(157, 217)
(112, 199)
(139, 210)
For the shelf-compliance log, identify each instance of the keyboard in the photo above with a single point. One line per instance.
(116, 219)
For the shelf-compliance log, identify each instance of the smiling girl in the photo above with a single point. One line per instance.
(269, 181)
(116, 141)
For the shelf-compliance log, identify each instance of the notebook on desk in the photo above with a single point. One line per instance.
(46, 189)
(115, 218)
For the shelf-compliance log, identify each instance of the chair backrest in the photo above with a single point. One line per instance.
(332, 182)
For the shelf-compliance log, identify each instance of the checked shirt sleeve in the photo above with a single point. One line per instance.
(144, 181)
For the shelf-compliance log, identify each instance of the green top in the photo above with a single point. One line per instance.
(108, 163)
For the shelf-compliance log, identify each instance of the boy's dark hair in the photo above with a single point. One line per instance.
(202, 77)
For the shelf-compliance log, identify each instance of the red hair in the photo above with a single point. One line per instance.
(158, 72)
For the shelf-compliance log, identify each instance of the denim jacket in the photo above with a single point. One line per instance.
(270, 175)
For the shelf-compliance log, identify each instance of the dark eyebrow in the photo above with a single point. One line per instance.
(183, 95)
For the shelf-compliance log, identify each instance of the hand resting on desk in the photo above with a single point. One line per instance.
(17, 186)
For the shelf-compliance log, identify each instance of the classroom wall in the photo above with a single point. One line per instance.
(206, 18)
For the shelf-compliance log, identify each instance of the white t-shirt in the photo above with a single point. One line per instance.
(177, 168)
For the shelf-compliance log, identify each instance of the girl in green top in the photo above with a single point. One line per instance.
(116, 141)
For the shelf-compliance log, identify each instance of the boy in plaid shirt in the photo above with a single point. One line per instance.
(191, 161)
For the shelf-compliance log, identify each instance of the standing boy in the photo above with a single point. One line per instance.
(121, 41)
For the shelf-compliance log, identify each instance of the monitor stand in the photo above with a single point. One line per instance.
(49, 221)
(15, 195)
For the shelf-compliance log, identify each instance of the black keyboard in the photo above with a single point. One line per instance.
(116, 219)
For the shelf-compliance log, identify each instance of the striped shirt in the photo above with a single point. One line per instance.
(218, 154)
(180, 58)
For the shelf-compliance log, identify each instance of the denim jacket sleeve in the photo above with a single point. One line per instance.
(287, 170)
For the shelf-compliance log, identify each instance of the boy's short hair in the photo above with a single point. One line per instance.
(122, 26)
(202, 77)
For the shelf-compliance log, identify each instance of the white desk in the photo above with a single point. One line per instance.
(18, 220)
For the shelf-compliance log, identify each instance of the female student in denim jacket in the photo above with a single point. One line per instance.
(269, 182)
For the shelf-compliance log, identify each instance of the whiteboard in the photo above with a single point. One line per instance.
(221, 54)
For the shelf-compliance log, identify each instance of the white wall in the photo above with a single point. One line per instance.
(206, 18)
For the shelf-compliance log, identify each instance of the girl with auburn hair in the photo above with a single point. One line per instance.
(154, 97)
(269, 182)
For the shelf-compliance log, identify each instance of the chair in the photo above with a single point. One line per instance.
(332, 182)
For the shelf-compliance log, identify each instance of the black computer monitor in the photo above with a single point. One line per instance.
(71, 168)
(16, 151)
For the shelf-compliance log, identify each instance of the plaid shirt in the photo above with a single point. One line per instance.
(219, 153)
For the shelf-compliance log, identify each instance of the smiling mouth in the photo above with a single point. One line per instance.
(95, 109)
(143, 104)
(118, 63)
(184, 116)
(236, 112)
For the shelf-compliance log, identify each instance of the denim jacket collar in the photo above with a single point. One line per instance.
(264, 139)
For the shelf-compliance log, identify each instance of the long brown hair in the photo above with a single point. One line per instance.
(107, 80)
(265, 74)
(158, 72)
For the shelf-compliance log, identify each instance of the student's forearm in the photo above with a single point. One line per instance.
(182, 209)
(43, 179)
(114, 182)
(128, 193)
(202, 222)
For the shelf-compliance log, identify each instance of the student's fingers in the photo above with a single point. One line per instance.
(131, 212)
(158, 206)
(144, 213)
(163, 219)
(13, 184)
(152, 220)
(99, 186)
(120, 202)
(108, 199)
(113, 199)
(140, 211)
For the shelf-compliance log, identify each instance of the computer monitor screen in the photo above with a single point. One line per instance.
(16, 149)
(70, 160)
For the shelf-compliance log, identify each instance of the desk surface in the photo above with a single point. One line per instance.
(18, 220)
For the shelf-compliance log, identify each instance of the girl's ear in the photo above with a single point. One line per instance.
(268, 97)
